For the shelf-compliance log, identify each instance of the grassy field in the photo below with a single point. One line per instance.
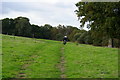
(38, 58)
(92, 62)
(0, 56)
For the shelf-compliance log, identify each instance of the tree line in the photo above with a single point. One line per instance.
(21, 26)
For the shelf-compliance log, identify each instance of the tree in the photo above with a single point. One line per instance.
(76, 36)
(103, 17)
(88, 38)
(59, 36)
(22, 26)
(74, 30)
(46, 31)
(54, 31)
(36, 31)
(8, 26)
(81, 38)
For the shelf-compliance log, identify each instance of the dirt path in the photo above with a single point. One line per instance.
(62, 62)
(23, 68)
(22, 74)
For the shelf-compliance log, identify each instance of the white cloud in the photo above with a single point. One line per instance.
(43, 1)
(43, 12)
(34, 17)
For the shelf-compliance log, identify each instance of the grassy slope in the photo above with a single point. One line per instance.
(85, 61)
(0, 57)
(40, 59)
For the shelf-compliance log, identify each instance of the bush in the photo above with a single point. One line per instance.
(76, 36)
(88, 39)
(97, 42)
(81, 38)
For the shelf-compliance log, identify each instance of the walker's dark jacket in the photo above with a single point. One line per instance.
(65, 39)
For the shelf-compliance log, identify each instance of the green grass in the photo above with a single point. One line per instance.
(0, 57)
(86, 61)
(39, 58)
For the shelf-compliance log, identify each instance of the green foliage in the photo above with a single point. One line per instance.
(105, 41)
(88, 39)
(77, 35)
(81, 39)
(8, 26)
(59, 36)
(54, 32)
(103, 18)
(36, 31)
(21, 26)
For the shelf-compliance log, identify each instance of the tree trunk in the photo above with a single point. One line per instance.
(110, 43)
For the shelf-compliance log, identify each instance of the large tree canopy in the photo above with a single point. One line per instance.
(103, 17)
(22, 26)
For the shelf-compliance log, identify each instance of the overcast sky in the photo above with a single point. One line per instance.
(40, 12)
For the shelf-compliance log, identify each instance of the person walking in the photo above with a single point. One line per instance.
(65, 39)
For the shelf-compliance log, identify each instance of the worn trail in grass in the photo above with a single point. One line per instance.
(61, 65)
(30, 58)
(38, 58)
